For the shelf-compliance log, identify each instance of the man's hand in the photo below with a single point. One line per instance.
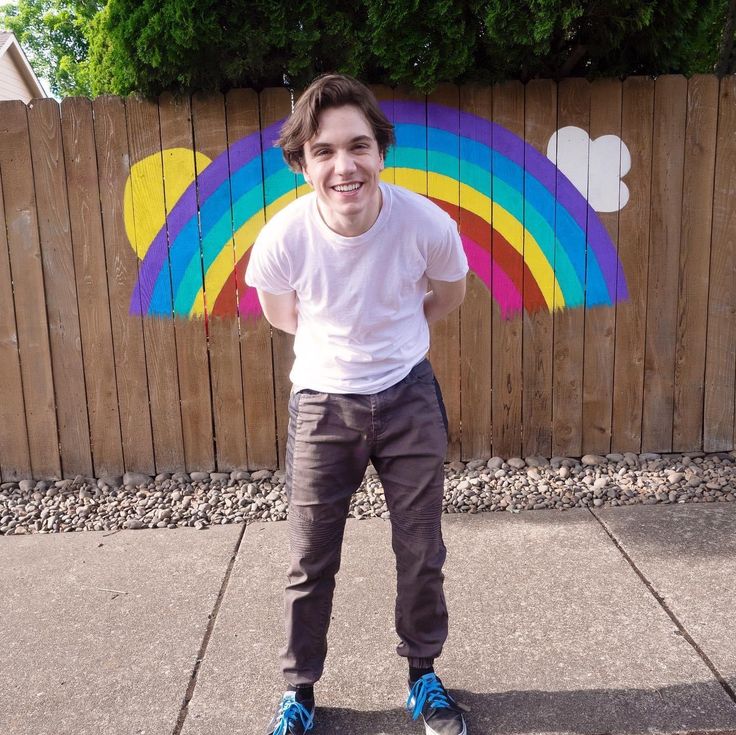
(280, 310)
(444, 297)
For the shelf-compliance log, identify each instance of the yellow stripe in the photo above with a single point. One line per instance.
(412, 179)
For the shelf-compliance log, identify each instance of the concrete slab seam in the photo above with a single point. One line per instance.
(184, 711)
(680, 627)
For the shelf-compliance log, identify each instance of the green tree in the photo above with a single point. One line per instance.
(53, 34)
(176, 44)
(558, 38)
(120, 46)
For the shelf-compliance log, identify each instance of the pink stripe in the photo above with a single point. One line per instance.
(503, 291)
(250, 306)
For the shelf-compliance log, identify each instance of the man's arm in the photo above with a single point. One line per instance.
(444, 297)
(280, 310)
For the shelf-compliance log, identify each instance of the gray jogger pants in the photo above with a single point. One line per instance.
(331, 437)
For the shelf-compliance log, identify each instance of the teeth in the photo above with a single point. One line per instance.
(346, 187)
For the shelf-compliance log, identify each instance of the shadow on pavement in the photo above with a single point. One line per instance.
(675, 709)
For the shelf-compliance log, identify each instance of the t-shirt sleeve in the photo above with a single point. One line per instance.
(268, 267)
(446, 260)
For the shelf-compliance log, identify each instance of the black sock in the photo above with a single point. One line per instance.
(303, 693)
(416, 673)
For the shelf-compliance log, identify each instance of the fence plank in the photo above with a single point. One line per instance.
(91, 279)
(637, 112)
(208, 117)
(444, 189)
(476, 325)
(508, 112)
(539, 124)
(255, 334)
(573, 109)
(600, 321)
(670, 109)
(149, 215)
(15, 458)
(385, 96)
(47, 152)
(410, 162)
(719, 429)
(113, 161)
(184, 246)
(275, 105)
(30, 304)
(697, 213)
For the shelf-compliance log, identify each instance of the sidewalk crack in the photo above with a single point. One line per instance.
(680, 627)
(212, 617)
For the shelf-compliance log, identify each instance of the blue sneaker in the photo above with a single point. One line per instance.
(292, 717)
(442, 715)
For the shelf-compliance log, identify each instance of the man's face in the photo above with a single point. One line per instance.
(342, 164)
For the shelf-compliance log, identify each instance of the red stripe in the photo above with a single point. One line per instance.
(504, 254)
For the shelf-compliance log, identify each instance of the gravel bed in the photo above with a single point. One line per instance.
(202, 499)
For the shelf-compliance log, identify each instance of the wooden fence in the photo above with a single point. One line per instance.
(129, 341)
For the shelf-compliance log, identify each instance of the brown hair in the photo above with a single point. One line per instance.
(330, 90)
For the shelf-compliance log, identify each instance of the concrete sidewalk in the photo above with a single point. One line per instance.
(614, 621)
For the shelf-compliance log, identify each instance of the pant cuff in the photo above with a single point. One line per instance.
(421, 663)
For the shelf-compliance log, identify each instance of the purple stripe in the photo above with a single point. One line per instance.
(244, 151)
(446, 118)
(409, 113)
(185, 208)
(270, 135)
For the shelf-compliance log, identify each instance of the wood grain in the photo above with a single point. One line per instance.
(508, 112)
(720, 370)
(692, 299)
(91, 278)
(600, 321)
(54, 228)
(21, 229)
(637, 112)
(144, 140)
(191, 336)
(573, 108)
(539, 124)
(275, 105)
(113, 162)
(670, 110)
(445, 334)
(476, 325)
(15, 457)
(255, 334)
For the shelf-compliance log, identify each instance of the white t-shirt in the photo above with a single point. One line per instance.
(360, 300)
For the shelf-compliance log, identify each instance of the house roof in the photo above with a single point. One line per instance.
(9, 45)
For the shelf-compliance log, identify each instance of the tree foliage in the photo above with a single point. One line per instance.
(182, 45)
(53, 35)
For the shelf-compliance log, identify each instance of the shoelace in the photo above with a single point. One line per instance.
(291, 712)
(427, 688)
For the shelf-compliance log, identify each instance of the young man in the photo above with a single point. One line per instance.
(346, 269)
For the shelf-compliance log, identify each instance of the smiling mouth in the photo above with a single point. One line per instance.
(347, 187)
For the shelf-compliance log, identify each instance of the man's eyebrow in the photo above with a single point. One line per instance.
(326, 144)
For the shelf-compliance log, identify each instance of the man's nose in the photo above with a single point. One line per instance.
(344, 162)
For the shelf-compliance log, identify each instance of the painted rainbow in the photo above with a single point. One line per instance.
(529, 235)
